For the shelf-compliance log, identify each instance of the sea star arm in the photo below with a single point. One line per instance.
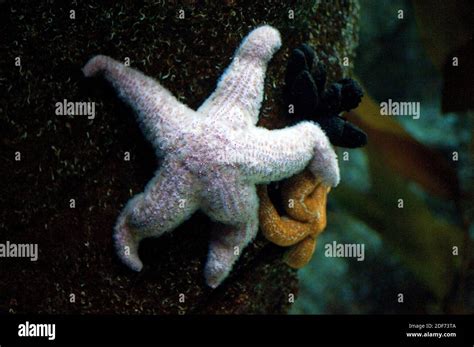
(226, 244)
(159, 113)
(239, 92)
(278, 154)
(305, 197)
(281, 231)
(300, 254)
(169, 199)
(294, 192)
(236, 208)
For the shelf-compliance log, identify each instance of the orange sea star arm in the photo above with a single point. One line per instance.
(281, 231)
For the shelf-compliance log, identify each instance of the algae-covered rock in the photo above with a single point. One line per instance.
(65, 179)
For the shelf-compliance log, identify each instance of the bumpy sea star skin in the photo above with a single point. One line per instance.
(304, 199)
(300, 254)
(212, 157)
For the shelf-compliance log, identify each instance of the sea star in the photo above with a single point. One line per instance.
(311, 98)
(212, 157)
(305, 203)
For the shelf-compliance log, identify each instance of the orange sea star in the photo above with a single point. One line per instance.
(304, 198)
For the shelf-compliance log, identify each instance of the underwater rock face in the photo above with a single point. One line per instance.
(64, 158)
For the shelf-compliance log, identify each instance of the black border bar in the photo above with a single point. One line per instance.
(334, 329)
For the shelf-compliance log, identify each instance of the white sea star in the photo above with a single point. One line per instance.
(212, 157)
